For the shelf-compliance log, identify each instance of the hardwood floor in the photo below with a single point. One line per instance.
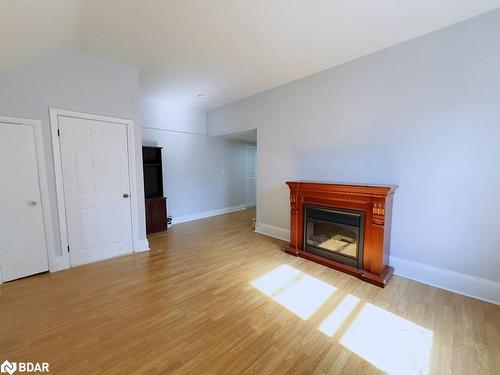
(189, 306)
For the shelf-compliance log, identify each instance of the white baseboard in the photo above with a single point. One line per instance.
(461, 283)
(457, 282)
(272, 231)
(59, 264)
(202, 215)
(141, 245)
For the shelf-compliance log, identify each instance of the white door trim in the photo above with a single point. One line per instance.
(43, 183)
(246, 174)
(54, 113)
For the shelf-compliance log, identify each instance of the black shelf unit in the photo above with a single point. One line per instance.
(153, 172)
(156, 203)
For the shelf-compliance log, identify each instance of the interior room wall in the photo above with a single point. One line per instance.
(201, 174)
(424, 115)
(236, 158)
(77, 82)
(172, 116)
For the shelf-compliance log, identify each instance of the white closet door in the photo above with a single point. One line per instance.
(251, 172)
(96, 189)
(23, 249)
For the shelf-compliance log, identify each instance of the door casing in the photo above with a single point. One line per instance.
(55, 113)
(253, 203)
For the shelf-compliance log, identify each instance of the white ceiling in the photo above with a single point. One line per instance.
(31, 30)
(227, 49)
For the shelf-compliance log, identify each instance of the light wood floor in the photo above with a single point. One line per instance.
(188, 307)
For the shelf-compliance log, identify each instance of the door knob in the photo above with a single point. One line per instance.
(33, 203)
(125, 195)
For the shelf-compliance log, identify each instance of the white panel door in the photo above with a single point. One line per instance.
(96, 189)
(23, 249)
(251, 172)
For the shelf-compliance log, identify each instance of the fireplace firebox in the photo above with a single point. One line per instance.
(335, 234)
(343, 226)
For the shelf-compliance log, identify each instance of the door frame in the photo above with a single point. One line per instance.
(43, 185)
(246, 175)
(54, 114)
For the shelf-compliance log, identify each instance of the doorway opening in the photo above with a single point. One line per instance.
(248, 186)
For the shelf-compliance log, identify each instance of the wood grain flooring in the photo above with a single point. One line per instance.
(188, 307)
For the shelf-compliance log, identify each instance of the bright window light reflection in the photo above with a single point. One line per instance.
(300, 293)
(389, 342)
(305, 296)
(333, 321)
(276, 279)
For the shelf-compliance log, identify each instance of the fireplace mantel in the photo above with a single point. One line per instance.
(375, 201)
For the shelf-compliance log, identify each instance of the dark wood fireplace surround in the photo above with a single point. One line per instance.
(374, 200)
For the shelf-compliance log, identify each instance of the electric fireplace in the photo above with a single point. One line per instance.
(335, 234)
(343, 226)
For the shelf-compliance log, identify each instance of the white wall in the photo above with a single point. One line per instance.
(172, 116)
(76, 82)
(424, 115)
(200, 173)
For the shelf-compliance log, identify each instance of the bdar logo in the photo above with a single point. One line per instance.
(9, 367)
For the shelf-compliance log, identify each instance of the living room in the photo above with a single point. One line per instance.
(235, 187)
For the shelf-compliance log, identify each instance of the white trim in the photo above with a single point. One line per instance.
(231, 131)
(254, 203)
(42, 181)
(272, 231)
(54, 113)
(141, 245)
(173, 131)
(60, 264)
(456, 282)
(202, 215)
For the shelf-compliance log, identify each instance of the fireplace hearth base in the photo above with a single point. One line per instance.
(375, 201)
(379, 280)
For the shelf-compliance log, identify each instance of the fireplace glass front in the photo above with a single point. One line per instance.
(335, 234)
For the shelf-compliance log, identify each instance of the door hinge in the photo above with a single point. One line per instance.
(58, 133)
(68, 248)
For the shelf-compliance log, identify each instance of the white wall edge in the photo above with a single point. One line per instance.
(202, 215)
(141, 245)
(452, 281)
(456, 282)
(272, 231)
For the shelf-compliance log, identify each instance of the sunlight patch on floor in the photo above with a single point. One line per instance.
(300, 293)
(333, 321)
(276, 279)
(305, 296)
(389, 342)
